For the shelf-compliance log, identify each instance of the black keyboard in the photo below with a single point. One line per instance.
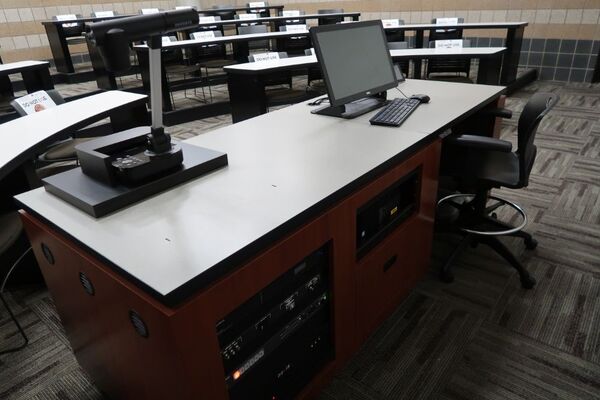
(395, 112)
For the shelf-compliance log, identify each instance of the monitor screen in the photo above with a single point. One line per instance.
(355, 60)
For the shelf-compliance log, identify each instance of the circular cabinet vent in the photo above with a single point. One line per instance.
(138, 324)
(87, 284)
(47, 254)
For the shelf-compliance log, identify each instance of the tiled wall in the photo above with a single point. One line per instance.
(22, 35)
(572, 25)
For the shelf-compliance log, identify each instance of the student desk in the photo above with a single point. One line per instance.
(182, 260)
(216, 11)
(512, 42)
(57, 38)
(35, 74)
(354, 15)
(246, 89)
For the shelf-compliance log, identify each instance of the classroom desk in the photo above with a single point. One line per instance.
(25, 137)
(57, 38)
(216, 11)
(513, 43)
(246, 88)
(35, 74)
(175, 264)
(354, 15)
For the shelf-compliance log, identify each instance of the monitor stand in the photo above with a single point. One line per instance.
(355, 108)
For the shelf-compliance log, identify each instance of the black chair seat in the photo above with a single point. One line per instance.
(498, 169)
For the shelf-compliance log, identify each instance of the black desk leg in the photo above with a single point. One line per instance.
(489, 70)
(59, 48)
(241, 51)
(246, 96)
(104, 79)
(145, 72)
(417, 62)
(6, 89)
(514, 41)
(37, 79)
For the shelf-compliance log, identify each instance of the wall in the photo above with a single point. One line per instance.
(563, 38)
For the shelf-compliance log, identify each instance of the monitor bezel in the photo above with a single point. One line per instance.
(314, 31)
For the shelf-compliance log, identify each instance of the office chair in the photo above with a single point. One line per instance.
(255, 44)
(404, 65)
(176, 64)
(452, 66)
(10, 230)
(478, 164)
(211, 57)
(223, 11)
(330, 20)
(293, 45)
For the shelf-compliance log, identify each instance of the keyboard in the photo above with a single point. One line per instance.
(395, 112)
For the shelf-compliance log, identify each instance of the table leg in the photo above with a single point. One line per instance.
(417, 62)
(59, 48)
(510, 64)
(246, 96)
(241, 51)
(489, 70)
(37, 79)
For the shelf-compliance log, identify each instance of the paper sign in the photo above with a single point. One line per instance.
(207, 19)
(446, 21)
(262, 57)
(203, 35)
(256, 4)
(290, 13)
(183, 7)
(390, 23)
(295, 28)
(146, 11)
(449, 44)
(166, 40)
(102, 14)
(66, 17)
(35, 102)
(246, 16)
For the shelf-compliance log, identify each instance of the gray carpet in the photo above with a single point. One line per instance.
(481, 337)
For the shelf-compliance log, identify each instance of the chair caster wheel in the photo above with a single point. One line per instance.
(447, 277)
(531, 244)
(528, 282)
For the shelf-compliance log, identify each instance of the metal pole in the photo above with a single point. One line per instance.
(156, 87)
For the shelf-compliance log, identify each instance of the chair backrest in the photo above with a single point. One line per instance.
(330, 20)
(397, 45)
(536, 108)
(254, 44)
(225, 15)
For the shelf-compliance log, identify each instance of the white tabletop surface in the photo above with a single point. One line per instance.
(465, 25)
(280, 165)
(20, 135)
(16, 66)
(302, 60)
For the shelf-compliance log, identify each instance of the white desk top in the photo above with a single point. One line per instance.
(307, 60)
(16, 67)
(281, 164)
(23, 135)
(464, 25)
(226, 39)
(279, 18)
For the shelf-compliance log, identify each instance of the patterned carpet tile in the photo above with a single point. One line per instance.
(585, 170)
(562, 311)
(500, 364)
(410, 356)
(578, 201)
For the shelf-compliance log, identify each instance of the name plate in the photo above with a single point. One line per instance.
(449, 44)
(266, 57)
(256, 4)
(35, 102)
(183, 7)
(247, 16)
(66, 17)
(290, 13)
(147, 11)
(446, 21)
(166, 40)
(296, 28)
(203, 35)
(207, 19)
(390, 23)
(102, 14)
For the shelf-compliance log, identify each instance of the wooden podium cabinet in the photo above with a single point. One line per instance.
(135, 347)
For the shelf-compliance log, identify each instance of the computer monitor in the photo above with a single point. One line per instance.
(357, 67)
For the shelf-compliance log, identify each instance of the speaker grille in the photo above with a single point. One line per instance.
(138, 324)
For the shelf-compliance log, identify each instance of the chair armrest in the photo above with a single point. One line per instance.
(498, 112)
(479, 142)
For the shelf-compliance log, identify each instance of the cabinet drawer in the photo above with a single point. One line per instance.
(387, 274)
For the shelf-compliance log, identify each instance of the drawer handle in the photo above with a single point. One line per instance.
(138, 324)
(87, 284)
(389, 263)
(47, 254)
